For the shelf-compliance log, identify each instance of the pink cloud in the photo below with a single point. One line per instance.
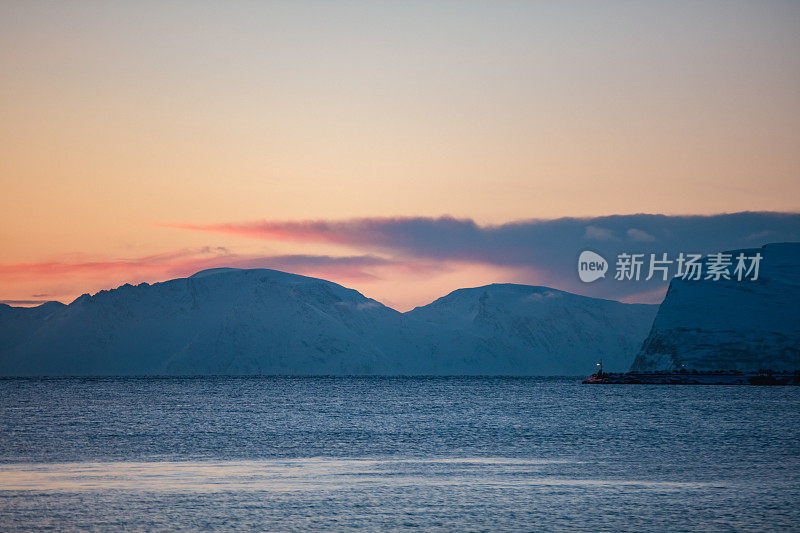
(390, 232)
(544, 250)
(66, 279)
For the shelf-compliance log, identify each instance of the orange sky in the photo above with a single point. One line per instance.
(121, 120)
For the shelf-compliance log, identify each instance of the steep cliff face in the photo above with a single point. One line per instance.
(729, 324)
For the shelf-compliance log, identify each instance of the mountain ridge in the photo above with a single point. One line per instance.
(263, 321)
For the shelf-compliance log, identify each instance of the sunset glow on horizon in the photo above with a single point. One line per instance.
(401, 149)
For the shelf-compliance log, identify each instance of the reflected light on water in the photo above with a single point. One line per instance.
(297, 475)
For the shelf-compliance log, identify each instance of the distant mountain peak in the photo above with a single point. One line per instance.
(262, 321)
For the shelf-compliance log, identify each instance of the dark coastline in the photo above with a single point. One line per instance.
(732, 377)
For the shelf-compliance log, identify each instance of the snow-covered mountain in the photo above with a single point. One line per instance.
(526, 330)
(223, 321)
(258, 321)
(729, 325)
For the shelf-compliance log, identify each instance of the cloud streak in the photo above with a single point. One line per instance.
(68, 278)
(22, 303)
(410, 259)
(543, 251)
(520, 241)
(189, 261)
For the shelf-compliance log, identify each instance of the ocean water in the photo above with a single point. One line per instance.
(396, 453)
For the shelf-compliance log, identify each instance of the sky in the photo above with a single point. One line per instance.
(404, 149)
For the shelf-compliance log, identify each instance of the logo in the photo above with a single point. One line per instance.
(591, 266)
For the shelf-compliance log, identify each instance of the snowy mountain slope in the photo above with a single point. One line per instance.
(526, 330)
(731, 325)
(225, 322)
(230, 321)
(19, 324)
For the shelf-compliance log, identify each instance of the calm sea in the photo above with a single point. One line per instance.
(396, 453)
